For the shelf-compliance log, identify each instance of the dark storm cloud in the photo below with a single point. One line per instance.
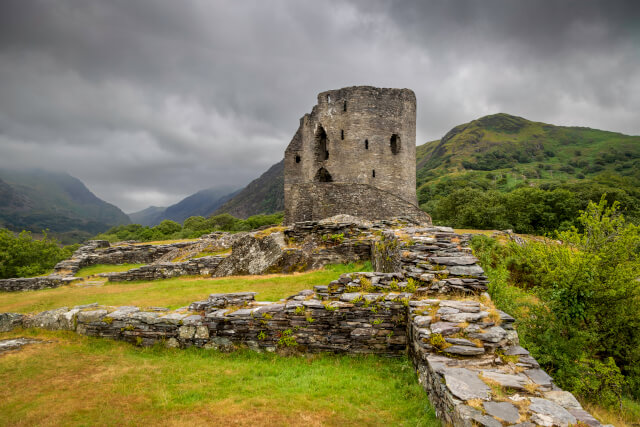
(149, 101)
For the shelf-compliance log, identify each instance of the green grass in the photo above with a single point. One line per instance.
(78, 380)
(172, 293)
(105, 268)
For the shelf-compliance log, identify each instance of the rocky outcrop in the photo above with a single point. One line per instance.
(260, 255)
(10, 321)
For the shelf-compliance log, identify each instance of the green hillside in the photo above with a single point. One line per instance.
(493, 171)
(36, 200)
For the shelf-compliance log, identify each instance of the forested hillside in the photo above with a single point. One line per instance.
(502, 171)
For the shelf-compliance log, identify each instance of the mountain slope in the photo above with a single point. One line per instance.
(527, 150)
(148, 216)
(202, 203)
(35, 200)
(263, 195)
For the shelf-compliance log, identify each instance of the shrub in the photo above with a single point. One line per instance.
(24, 256)
(577, 301)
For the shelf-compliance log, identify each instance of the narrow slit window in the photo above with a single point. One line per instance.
(373, 173)
(342, 134)
(344, 106)
(366, 144)
(322, 153)
(394, 143)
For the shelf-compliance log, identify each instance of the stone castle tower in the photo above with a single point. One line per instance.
(354, 154)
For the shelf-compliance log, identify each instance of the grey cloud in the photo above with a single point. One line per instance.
(149, 101)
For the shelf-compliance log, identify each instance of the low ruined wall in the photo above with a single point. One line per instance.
(475, 373)
(34, 283)
(204, 266)
(101, 252)
(350, 323)
(129, 254)
(434, 256)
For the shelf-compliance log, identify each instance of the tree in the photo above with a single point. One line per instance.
(24, 256)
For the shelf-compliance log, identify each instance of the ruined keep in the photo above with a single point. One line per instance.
(354, 154)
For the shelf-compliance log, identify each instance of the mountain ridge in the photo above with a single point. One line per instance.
(200, 203)
(37, 200)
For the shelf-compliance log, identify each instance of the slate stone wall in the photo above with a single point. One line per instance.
(317, 200)
(204, 266)
(34, 283)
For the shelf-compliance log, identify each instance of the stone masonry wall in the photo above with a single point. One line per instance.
(361, 136)
(34, 283)
(314, 201)
(353, 323)
(204, 266)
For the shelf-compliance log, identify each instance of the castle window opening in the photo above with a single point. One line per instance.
(323, 175)
(366, 144)
(297, 158)
(321, 144)
(394, 143)
(344, 107)
(373, 173)
(342, 134)
(328, 98)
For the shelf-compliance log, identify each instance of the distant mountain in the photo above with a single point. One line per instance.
(264, 195)
(149, 216)
(36, 200)
(202, 203)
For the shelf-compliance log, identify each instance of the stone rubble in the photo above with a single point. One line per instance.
(16, 343)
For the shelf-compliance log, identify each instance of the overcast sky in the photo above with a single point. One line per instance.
(149, 101)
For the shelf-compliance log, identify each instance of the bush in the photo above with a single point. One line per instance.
(577, 301)
(24, 256)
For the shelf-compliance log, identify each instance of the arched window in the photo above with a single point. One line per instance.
(297, 158)
(394, 143)
(323, 175)
(321, 145)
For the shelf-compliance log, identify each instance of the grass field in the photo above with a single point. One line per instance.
(105, 268)
(171, 293)
(79, 381)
